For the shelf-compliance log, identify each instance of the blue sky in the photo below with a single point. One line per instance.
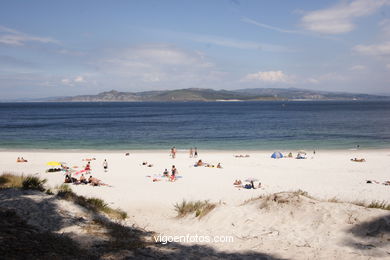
(60, 48)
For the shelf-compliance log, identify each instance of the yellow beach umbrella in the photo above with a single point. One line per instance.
(53, 163)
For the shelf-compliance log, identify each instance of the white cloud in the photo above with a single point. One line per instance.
(79, 79)
(357, 68)
(238, 44)
(158, 63)
(382, 49)
(385, 27)
(270, 27)
(340, 18)
(313, 81)
(276, 76)
(13, 37)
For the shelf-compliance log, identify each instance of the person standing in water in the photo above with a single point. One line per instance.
(105, 165)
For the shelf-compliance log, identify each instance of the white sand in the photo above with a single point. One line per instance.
(327, 174)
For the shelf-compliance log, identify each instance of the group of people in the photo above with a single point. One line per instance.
(358, 160)
(87, 169)
(194, 152)
(173, 175)
(83, 180)
(201, 163)
(249, 185)
(21, 159)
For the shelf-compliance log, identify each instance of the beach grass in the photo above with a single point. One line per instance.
(94, 204)
(200, 208)
(379, 205)
(10, 180)
(33, 183)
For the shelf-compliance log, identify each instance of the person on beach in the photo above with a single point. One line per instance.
(219, 166)
(196, 153)
(83, 179)
(96, 182)
(199, 163)
(165, 173)
(191, 153)
(174, 152)
(173, 173)
(105, 165)
(88, 167)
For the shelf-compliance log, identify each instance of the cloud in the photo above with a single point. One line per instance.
(266, 26)
(73, 81)
(152, 63)
(382, 49)
(357, 68)
(313, 81)
(238, 44)
(13, 37)
(340, 18)
(276, 76)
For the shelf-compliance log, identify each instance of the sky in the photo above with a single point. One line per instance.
(71, 47)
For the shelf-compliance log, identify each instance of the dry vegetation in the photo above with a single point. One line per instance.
(200, 208)
(9, 180)
(94, 204)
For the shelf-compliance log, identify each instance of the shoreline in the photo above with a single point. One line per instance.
(180, 150)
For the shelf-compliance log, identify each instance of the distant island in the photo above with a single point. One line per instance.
(209, 95)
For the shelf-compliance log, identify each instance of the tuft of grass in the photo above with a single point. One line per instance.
(94, 204)
(49, 192)
(302, 193)
(334, 200)
(33, 183)
(9, 180)
(379, 205)
(200, 208)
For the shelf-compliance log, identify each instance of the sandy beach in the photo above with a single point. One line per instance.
(325, 175)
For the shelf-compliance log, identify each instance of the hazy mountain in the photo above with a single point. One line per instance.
(197, 94)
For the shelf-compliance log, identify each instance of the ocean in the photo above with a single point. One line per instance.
(205, 125)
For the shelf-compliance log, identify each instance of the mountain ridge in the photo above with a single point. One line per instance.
(209, 95)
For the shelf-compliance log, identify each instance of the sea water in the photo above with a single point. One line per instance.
(206, 125)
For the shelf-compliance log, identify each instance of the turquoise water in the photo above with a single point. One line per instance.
(213, 125)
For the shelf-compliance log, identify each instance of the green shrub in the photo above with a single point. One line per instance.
(33, 183)
(93, 204)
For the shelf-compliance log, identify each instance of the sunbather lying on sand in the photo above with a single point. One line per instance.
(237, 182)
(199, 163)
(242, 156)
(387, 183)
(96, 182)
(89, 159)
(21, 160)
(358, 160)
(372, 181)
